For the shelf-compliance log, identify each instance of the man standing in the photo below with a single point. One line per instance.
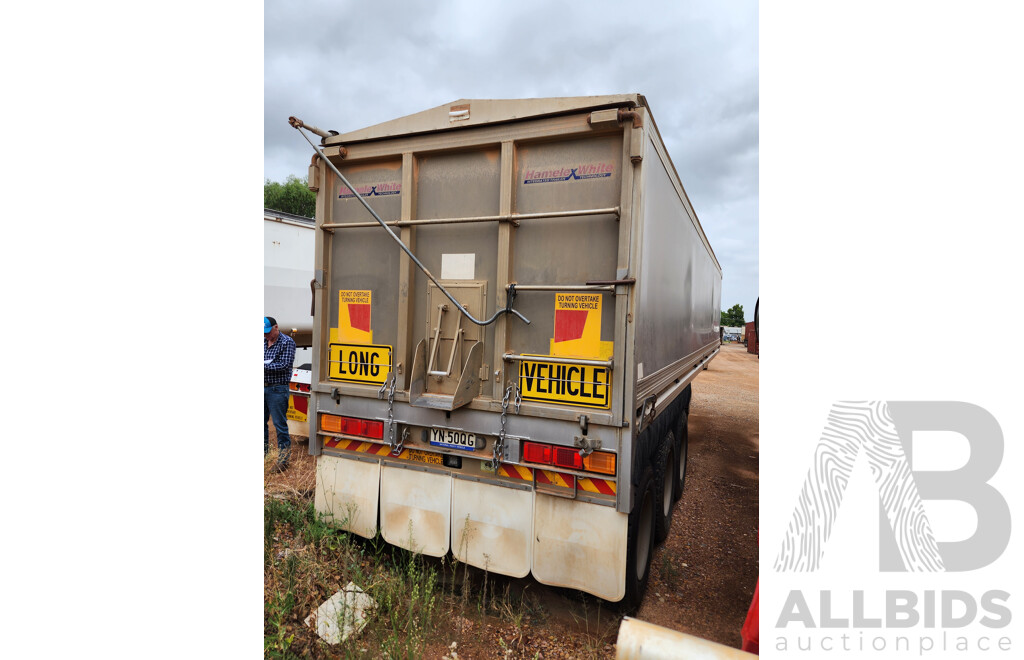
(278, 355)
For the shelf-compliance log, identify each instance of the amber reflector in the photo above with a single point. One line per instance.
(600, 461)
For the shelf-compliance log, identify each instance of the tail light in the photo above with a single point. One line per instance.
(600, 461)
(569, 458)
(363, 428)
(535, 452)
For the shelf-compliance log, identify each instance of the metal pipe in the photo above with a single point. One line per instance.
(514, 218)
(628, 280)
(456, 344)
(508, 310)
(362, 364)
(297, 123)
(568, 287)
(512, 357)
(441, 309)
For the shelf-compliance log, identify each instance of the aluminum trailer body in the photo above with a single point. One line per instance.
(557, 447)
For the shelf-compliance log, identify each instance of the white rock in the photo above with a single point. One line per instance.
(343, 614)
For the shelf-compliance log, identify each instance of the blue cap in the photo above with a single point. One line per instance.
(268, 324)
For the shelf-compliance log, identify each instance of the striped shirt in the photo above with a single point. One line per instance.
(277, 360)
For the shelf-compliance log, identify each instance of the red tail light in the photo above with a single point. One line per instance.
(364, 428)
(568, 457)
(535, 452)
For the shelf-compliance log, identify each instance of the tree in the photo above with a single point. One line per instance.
(293, 196)
(734, 317)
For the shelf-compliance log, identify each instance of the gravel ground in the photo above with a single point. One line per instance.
(703, 575)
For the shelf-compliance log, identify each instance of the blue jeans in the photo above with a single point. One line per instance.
(275, 406)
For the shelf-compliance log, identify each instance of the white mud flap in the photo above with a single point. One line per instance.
(580, 546)
(491, 527)
(347, 491)
(415, 509)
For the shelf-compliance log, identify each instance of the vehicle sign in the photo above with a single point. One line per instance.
(425, 457)
(456, 439)
(564, 384)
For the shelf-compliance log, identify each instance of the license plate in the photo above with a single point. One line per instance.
(426, 457)
(456, 439)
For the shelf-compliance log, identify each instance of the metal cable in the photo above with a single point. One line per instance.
(508, 308)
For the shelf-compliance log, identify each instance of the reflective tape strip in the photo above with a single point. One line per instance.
(356, 445)
(515, 471)
(597, 486)
(556, 479)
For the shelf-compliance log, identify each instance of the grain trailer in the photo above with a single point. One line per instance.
(512, 298)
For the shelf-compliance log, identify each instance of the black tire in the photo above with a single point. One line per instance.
(679, 467)
(640, 542)
(665, 486)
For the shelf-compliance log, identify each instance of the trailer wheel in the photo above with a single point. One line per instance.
(679, 469)
(640, 542)
(665, 468)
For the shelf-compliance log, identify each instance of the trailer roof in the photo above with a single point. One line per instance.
(466, 113)
(474, 112)
(281, 216)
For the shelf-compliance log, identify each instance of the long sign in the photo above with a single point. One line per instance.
(365, 364)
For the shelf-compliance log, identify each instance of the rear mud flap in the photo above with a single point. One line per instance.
(491, 527)
(346, 492)
(580, 546)
(415, 510)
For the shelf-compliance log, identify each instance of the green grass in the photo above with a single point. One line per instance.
(307, 560)
(422, 604)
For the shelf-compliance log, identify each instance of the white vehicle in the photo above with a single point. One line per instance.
(287, 272)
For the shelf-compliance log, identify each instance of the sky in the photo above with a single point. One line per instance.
(347, 65)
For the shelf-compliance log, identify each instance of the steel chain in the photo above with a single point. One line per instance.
(499, 445)
(393, 379)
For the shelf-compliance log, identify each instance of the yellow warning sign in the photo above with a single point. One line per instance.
(364, 364)
(578, 327)
(564, 384)
(353, 318)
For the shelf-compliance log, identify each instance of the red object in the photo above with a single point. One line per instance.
(535, 452)
(362, 427)
(569, 324)
(568, 458)
(749, 632)
(752, 346)
(359, 315)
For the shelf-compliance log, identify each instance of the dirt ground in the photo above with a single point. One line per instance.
(702, 576)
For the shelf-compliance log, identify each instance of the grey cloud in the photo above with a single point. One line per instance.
(347, 65)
